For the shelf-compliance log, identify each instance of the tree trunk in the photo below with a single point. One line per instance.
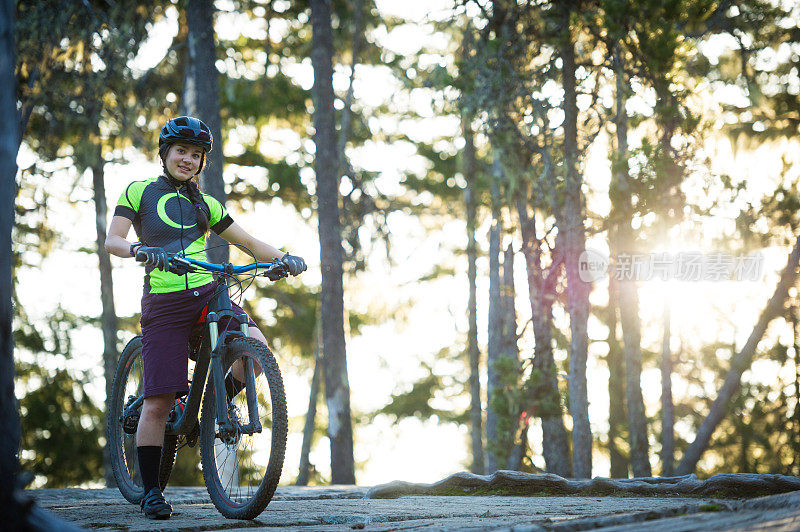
(311, 415)
(627, 289)
(494, 344)
(637, 422)
(343, 168)
(555, 444)
(510, 351)
(509, 336)
(201, 99)
(10, 509)
(740, 362)
(667, 407)
(574, 244)
(617, 413)
(337, 387)
(473, 353)
(519, 451)
(108, 317)
(746, 435)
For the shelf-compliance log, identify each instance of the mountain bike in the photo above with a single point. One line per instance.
(242, 432)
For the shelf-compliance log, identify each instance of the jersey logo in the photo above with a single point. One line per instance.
(162, 212)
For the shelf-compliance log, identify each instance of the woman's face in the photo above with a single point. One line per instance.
(183, 160)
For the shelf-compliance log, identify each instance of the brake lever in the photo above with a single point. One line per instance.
(275, 272)
(181, 266)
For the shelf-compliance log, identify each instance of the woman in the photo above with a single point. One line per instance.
(171, 215)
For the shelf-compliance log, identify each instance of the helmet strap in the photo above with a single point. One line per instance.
(202, 163)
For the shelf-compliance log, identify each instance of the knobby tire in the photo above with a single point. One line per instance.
(257, 497)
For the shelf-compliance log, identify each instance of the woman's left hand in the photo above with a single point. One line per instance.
(295, 265)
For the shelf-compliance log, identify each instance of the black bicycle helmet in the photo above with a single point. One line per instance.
(185, 129)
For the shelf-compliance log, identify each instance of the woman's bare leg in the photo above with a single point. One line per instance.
(154, 419)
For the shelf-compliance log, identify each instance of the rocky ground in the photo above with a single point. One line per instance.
(506, 501)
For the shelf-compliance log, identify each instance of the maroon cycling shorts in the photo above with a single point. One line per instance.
(167, 321)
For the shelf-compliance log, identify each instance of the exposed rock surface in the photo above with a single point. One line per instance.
(301, 509)
(518, 483)
(347, 507)
(774, 513)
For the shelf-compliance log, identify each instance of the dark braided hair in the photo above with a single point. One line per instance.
(200, 207)
(202, 212)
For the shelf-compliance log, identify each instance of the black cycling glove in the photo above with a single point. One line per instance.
(153, 256)
(295, 265)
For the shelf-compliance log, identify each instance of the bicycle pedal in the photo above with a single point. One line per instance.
(130, 419)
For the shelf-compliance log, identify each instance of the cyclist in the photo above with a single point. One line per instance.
(171, 215)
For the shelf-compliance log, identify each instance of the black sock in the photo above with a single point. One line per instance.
(149, 460)
(233, 386)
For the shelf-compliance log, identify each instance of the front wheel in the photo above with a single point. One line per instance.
(127, 386)
(241, 474)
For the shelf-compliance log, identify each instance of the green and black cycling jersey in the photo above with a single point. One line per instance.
(163, 216)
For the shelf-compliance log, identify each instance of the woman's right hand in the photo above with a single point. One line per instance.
(153, 256)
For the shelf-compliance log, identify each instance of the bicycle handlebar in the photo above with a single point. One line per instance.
(182, 265)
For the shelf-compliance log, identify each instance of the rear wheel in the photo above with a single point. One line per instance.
(241, 474)
(126, 387)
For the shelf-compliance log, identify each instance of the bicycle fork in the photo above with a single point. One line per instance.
(229, 429)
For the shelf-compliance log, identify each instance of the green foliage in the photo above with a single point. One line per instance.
(756, 436)
(438, 180)
(537, 396)
(73, 71)
(275, 98)
(291, 328)
(654, 170)
(33, 235)
(274, 101)
(75, 86)
(283, 181)
(779, 208)
(59, 422)
(416, 401)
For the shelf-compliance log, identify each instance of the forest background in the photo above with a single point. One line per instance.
(467, 159)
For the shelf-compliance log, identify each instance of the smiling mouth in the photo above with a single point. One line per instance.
(184, 169)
